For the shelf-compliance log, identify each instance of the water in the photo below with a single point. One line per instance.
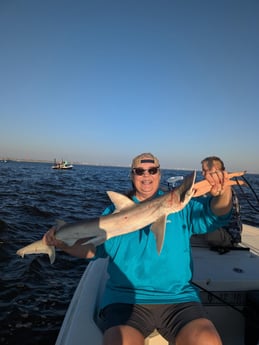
(34, 295)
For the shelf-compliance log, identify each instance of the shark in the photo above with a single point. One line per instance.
(203, 187)
(128, 217)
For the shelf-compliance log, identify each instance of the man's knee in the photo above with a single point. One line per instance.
(198, 332)
(123, 335)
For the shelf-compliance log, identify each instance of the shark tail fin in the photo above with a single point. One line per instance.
(38, 247)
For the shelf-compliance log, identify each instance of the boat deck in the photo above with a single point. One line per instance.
(228, 277)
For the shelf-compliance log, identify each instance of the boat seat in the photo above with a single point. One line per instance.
(199, 241)
(156, 339)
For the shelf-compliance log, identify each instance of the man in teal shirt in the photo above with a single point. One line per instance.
(147, 290)
(139, 274)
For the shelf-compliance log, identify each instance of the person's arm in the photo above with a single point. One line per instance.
(221, 202)
(86, 251)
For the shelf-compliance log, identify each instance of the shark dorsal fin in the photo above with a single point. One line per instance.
(158, 228)
(120, 201)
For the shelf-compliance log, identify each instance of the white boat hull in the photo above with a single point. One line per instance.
(229, 276)
(64, 167)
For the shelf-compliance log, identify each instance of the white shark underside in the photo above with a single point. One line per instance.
(128, 217)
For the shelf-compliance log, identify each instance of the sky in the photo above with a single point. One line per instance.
(101, 81)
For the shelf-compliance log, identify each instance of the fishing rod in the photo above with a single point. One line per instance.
(244, 195)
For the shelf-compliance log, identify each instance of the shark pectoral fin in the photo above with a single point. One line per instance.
(158, 228)
(120, 201)
(38, 247)
(96, 241)
(52, 254)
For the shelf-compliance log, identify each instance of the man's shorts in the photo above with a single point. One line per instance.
(168, 319)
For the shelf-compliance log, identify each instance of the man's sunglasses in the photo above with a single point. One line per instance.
(141, 171)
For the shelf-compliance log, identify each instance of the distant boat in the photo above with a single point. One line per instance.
(62, 165)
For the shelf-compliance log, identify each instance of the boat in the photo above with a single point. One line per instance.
(228, 283)
(173, 181)
(62, 165)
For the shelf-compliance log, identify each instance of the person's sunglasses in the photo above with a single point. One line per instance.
(141, 171)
